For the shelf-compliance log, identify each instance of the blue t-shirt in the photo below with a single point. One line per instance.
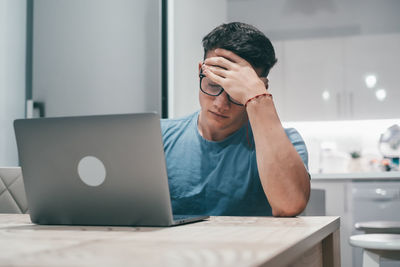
(215, 178)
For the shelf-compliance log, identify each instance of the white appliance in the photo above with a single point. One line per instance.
(373, 201)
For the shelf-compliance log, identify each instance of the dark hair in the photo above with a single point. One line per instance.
(244, 40)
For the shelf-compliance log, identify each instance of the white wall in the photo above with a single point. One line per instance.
(97, 56)
(279, 20)
(192, 20)
(12, 75)
(329, 46)
(297, 19)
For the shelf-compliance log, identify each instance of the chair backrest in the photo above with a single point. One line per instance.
(12, 191)
(316, 203)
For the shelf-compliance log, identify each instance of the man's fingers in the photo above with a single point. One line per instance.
(229, 55)
(219, 61)
(216, 70)
(214, 77)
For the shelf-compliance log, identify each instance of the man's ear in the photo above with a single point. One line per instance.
(200, 64)
(265, 81)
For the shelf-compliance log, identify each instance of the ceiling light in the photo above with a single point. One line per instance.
(326, 95)
(370, 81)
(380, 94)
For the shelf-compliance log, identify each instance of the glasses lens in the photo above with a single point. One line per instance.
(210, 87)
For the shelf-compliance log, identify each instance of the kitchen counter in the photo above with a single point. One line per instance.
(219, 241)
(357, 176)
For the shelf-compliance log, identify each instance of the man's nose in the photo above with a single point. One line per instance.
(222, 101)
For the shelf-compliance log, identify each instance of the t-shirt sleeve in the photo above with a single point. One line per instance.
(298, 144)
(167, 131)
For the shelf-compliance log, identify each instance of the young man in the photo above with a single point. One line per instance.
(233, 157)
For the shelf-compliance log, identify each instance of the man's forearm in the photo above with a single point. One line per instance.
(283, 176)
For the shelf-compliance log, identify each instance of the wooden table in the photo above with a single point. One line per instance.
(219, 241)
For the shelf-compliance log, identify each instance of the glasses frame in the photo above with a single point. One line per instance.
(201, 76)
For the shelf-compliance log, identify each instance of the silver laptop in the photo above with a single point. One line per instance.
(96, 170)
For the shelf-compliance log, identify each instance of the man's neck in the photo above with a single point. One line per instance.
(212, 134)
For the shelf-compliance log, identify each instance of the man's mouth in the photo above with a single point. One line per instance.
(219, 115)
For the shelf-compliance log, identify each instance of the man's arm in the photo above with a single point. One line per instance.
(283, 176)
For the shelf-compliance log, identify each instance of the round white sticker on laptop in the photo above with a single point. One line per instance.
(91, 171)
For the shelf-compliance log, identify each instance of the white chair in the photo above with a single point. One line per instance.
(375, 227)
(377, 246)
(12, 191)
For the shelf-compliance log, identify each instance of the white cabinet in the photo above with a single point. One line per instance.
(310, 68)
(276, 84)
(338, 203)
(378, 55)
(373, 201)
(324, 79)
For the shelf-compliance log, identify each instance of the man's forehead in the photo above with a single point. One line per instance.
(210, 53)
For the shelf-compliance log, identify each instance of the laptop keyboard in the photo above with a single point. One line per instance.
(180, 217)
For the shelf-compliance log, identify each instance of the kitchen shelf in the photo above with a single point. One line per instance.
(395, 175)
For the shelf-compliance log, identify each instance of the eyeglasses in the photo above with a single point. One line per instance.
(210, 88)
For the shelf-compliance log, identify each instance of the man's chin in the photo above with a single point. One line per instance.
(217, 116)
(220, 123)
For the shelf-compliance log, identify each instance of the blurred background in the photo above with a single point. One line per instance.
(335, 80)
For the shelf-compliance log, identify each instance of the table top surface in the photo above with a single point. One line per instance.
(222, 241)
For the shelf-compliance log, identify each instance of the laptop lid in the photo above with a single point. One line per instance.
(95, 170)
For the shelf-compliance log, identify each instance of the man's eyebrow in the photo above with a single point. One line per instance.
(213, 83)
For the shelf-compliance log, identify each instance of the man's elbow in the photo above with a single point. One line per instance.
(290, 210)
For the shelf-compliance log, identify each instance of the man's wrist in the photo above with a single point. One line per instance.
(262, 111)
(254, 98)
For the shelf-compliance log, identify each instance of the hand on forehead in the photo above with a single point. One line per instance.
(225, 59)
(228, 60)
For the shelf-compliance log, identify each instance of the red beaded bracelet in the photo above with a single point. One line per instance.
(257, 96)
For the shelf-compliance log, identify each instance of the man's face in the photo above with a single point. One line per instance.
(218, 113)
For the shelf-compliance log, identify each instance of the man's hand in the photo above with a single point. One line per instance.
(235, 75)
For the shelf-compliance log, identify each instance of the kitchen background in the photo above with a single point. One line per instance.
(335, 80)
(336, 76)
(338, 61)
